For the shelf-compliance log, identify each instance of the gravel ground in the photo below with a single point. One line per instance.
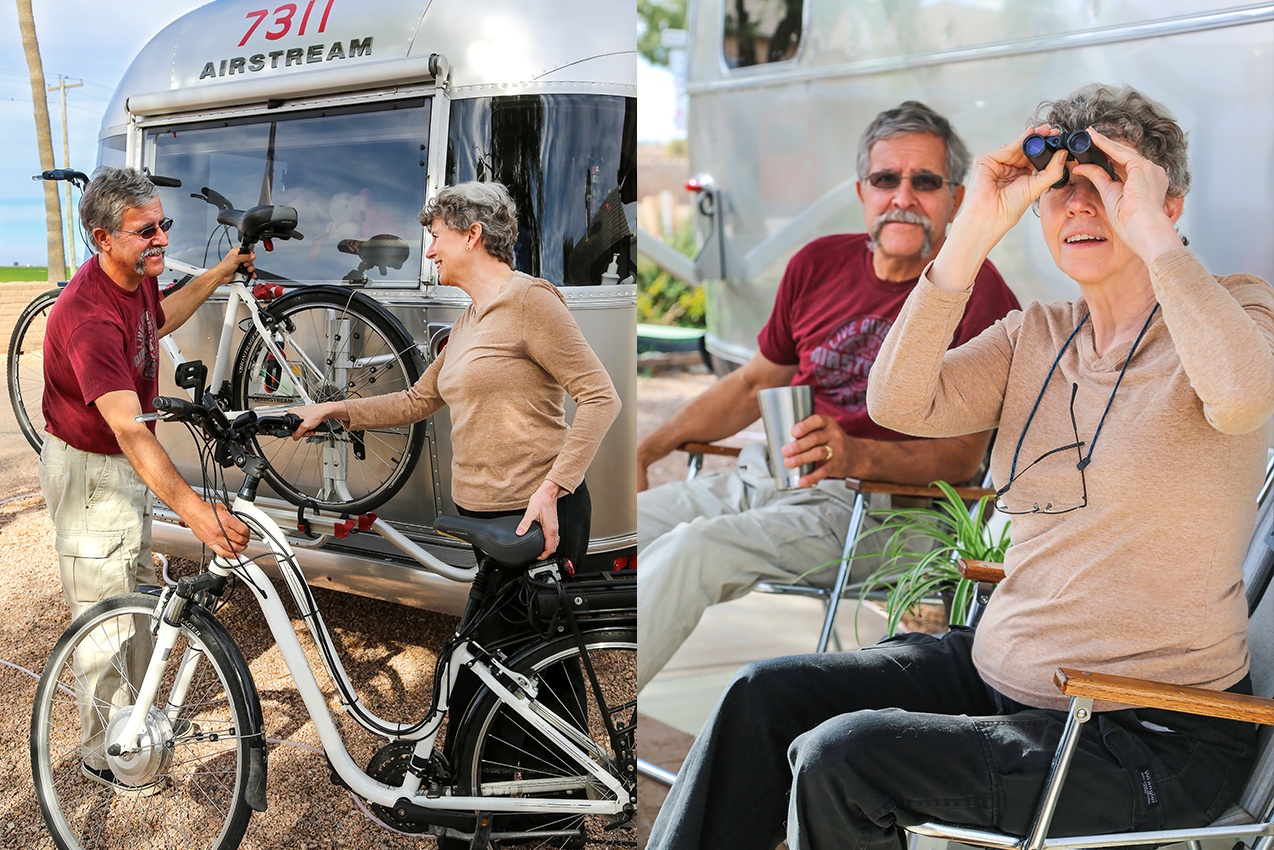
(386, 648)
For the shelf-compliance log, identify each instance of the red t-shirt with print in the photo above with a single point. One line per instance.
(831, 315)
(99, 338)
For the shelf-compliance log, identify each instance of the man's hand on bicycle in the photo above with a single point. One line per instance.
(224, 271)
(218, 529)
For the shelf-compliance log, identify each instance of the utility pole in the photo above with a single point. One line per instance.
(62, 86)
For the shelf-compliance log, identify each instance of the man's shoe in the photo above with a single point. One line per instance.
(104, 776)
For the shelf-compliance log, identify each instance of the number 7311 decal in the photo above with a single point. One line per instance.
(285, 15)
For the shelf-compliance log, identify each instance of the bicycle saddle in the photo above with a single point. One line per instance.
(264, 222)
(497, 538)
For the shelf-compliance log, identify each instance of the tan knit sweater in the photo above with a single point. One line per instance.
(504, 373)
(1145, 581)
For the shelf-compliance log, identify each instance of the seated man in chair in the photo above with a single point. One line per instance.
(1119, 415)
(713, 539)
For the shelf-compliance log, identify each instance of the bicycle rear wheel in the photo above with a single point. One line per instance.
(186, 791)
(336, 345)
(26, 367)
(502, 755)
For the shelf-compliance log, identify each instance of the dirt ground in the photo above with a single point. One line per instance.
(385, 647)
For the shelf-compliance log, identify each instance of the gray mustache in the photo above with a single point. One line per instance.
(902, 217)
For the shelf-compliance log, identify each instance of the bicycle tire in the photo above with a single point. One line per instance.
(25, 369)
(194, 792)
(308, 328)
(495, 747)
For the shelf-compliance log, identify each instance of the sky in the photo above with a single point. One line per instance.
(83, 43)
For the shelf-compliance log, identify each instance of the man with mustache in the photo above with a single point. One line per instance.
(99, 465)
(713, 539)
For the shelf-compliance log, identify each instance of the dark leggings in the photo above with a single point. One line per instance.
(574, 516)
(834, 751)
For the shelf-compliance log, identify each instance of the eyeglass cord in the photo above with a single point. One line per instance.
(1086, 459)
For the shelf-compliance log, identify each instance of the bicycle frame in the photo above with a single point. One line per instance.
(489, 671)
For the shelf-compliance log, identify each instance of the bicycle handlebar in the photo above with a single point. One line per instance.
(76, 178)
(213, 421)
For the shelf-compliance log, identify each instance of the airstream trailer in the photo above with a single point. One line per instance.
(781, 90)
(354, 114)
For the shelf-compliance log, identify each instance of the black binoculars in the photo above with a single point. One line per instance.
(1078, 145)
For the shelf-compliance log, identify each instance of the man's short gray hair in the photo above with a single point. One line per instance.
(912, 116)
(1127, 115)
(109, 193)
(465, 204)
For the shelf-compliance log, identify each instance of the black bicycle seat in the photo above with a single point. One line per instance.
(268, 221)
(497, 538)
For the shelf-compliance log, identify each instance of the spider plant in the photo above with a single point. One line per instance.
(921, 551)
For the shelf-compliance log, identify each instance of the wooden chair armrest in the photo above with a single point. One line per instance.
(981, 571)
(694, 448)
(916, 490)
(1139, 692)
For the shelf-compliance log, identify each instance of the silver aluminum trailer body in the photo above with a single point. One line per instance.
(779, 138)
(357, 111)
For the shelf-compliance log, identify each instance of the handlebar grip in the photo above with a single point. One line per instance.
(279, 426)
(176, 408)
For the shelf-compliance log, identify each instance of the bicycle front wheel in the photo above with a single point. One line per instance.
(334, 346)
(184, 790)
(501, 754)
(26, 367)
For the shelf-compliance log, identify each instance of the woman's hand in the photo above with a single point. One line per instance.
(543, 507)
(1003, 185)
(1137, 206)
(313, 415)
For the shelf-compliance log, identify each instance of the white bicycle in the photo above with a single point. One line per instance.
(310, 344)
(539, 678)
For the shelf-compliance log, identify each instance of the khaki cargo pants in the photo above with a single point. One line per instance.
(101, 512)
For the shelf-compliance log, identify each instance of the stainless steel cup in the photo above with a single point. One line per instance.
(782, 408)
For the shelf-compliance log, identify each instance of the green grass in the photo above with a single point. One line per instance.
(23, 273)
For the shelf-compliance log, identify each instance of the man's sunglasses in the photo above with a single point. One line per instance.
(165, 224)
(921, 182)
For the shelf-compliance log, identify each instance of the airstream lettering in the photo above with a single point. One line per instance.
(354, 114)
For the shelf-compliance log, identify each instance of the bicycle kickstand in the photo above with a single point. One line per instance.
(481, 832)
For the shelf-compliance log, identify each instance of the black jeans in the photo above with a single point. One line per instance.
(835, 751)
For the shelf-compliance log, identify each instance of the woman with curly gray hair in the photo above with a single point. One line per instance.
(1119, 413)
(512, 357)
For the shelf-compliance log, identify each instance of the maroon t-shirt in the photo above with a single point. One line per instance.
(99, 338)
(830, 318)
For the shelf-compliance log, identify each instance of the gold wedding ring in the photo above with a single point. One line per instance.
(828, 446)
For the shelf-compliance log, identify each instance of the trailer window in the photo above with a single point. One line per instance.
(351, 175)
(570, 163)
(757, 32)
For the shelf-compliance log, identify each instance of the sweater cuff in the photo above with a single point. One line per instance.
(936, 294)
(1175, 263)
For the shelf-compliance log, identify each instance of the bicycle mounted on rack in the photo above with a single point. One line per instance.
(542, 739)
(302, 345)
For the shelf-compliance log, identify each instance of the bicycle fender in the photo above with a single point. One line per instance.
(351, 295)
(202, 622)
